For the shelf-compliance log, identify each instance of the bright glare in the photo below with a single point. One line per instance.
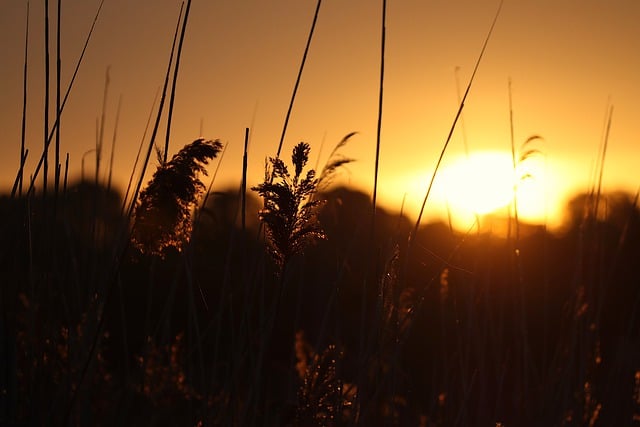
(479, 184)
(484, 183)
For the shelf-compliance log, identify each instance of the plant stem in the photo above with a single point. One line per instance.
(453, 125)
(175, 79)
(295, 87)
(24, 106)
(58, 67)
(46, 99)
(113, 142)
(48, 139)
(134, 196)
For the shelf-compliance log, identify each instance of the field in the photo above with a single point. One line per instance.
(295, 301)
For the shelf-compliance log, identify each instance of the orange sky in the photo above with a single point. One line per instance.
(567, 60)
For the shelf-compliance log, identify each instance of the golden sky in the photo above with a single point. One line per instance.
(568, 62)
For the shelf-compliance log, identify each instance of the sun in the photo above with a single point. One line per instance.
(478, 184)
(485, 182)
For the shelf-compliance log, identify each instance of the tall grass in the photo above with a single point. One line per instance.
(182, 304)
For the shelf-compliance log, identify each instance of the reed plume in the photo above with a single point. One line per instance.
(289, 213)
(163, 213)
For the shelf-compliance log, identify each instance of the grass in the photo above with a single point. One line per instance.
(179, 305)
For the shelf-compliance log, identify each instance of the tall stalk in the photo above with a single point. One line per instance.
(135, 163)
(605, 144)
(24, 107)
(453, 125)
(113, 142)
(243, 194)
(364, 341)
(117, 257)
(295, 87)
(58, 67)
(379, 125)
(46, 99)
(175, 80)
(103, 118)
(154, 132)
(48, 138)
(515, 253)
(514, 164)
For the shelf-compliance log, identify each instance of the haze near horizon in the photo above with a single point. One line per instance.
(568, 66)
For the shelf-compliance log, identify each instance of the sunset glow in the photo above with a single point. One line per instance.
(484, 183)
(479, 184)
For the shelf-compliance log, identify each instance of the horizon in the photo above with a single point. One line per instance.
(560, 75)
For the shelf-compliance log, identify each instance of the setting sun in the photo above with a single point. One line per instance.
(484, 183)
(478, 184)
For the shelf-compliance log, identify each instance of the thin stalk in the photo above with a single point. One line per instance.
(24, 107)
(462, 126)
(453, 125)
(66, 174)
(213, 179)
(100, 136)
(113, 142)
(243, 194)
(135, 163)
(175, 79)
(101, 317)
(134, 197)
(465, 143)
(602, 158)
(46, 98)
(518, 260)
(514, 164)
(16, 182)
(295, 87)
(596, 168)
(34, 176)
(58, 67)
(379, 126)
(372, 236)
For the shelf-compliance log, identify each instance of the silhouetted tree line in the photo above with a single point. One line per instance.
(449, 329)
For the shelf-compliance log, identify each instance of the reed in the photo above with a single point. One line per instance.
(180, 305)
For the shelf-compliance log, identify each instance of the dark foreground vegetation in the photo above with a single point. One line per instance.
(304, 308)
(535, 329)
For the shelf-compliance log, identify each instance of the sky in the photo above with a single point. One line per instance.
(562, 66)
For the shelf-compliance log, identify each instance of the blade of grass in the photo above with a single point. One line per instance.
(113, 143)
(17, 181)
(602, 159)
(365, 338)
(135, 163)
(243, 194)
(46, 100)
(379, 124)
(58, 67)
(100, 322)
(100, 129)
(175, 79)
(295, 87)
(24, 108)
(455, 121)
(154, 132)
(39, 166)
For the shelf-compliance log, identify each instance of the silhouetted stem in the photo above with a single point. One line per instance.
(295, 87)
(134, 197)
(24, 107)
(175, 79)
(46, 98)
(453, 125)
(34, 176)
(113, 143)
(58, 68)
